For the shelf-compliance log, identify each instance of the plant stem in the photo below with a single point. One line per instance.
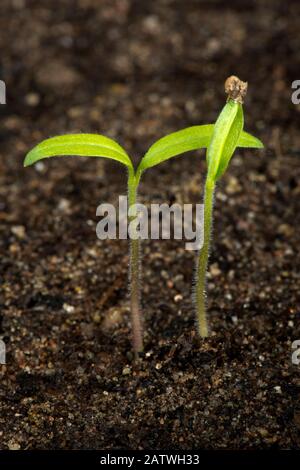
(203, 260)
(134, 273)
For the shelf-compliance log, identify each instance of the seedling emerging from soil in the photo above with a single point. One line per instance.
(225, 139)
(94, 145)
(177, 143)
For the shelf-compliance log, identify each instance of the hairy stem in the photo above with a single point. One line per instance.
(134, 274)
(203, 260)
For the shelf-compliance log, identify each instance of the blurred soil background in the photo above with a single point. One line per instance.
(136, 70)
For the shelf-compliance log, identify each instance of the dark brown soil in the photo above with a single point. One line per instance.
(136, 70)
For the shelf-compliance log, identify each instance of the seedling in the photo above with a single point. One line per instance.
(191, 138)
(221, 140)
(225, 139)
(93, 145)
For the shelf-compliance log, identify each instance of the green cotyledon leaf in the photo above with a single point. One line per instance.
(247, 140)
(232, 142)
(83, 145)
(191, 138)
(224, 141)
(185, 140)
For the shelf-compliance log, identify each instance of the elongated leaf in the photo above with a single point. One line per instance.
(83, 145)
(185, 140)
(247, 140)
(191, 138)
(231, 141)
(225, 138)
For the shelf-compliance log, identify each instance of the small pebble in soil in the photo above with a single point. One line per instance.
(233, 186)
(32, 99)
(18, 231)
(126, 371)
(14, 445)
(112, 318)
(68, 308)
(40, 167)
(214, 270)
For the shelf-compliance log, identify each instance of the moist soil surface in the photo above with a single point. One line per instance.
(136, 70)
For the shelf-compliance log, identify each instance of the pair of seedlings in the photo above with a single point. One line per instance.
(220, 139)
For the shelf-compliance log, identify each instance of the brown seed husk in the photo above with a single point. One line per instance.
(236, 89)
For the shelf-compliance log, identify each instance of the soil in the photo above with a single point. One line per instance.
(136, 70)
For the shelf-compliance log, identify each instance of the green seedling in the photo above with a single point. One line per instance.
(225, 139)
(221, 140)
(94, 145)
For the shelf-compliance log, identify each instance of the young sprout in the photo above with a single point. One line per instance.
(177, 143)
(94, 145)
(225, 139)
(221, 139)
